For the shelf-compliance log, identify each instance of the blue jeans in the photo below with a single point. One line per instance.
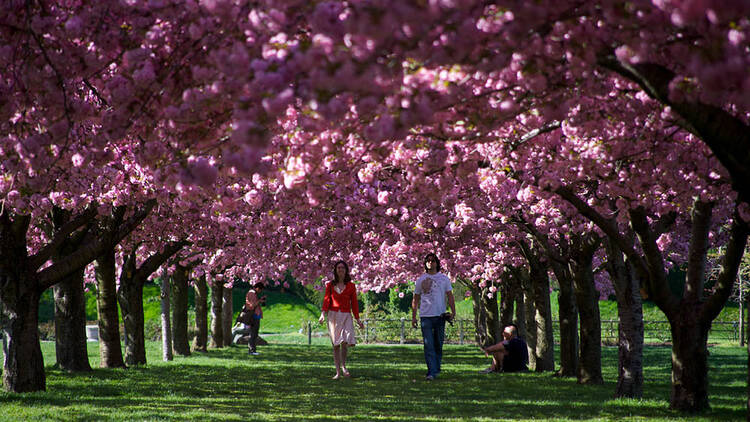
(433, 333)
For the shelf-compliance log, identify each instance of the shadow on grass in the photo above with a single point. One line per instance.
(292, 382)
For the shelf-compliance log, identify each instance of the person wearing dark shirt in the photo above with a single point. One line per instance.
(509, 355)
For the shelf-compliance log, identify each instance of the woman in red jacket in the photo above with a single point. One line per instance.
(339, 303)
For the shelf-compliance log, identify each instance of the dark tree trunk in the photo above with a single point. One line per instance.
(200, 342)
(130, 296)
(217, 328)
(70, 302)
(22, 281)
(110, 349)
(530, 316)
(520, 319)
(166, 327)
(689, 362)
(587, 301)
(487, 330)
(690, 315)
(568, 326)
(23, 366)
(545, 342)
(508, 293)
(630, 331)
(70, 324)
(180, 310)
(226, 316)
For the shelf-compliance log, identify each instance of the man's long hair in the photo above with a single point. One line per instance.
(428, 256)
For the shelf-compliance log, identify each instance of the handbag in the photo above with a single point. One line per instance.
(244, 316)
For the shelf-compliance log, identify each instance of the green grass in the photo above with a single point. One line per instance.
(292, 382)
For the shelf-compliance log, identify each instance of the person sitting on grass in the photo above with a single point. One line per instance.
(509, 355)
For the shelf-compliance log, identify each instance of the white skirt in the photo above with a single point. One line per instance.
(341, 328)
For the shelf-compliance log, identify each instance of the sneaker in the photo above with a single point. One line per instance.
(250, 352)
(429, 378)
(487, 371)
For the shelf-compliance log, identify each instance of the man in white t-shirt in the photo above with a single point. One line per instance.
(430, 293)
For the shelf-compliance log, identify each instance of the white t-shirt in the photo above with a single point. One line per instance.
(432, 288)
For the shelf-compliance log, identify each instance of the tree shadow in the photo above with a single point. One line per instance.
(294, 382)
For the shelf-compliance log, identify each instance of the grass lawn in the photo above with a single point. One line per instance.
(290, 382)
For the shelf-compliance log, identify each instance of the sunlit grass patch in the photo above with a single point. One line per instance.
(293, 382)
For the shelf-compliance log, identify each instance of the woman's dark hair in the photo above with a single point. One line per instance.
(347, 277)
(428, 256)
(259, 284)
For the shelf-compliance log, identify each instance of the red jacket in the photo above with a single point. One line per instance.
(345, 301)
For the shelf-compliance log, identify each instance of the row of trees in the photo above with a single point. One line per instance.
(602, 143)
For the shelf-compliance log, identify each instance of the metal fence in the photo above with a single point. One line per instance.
(400, 331)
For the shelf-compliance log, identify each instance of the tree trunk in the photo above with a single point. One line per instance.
(689, 362)
(23, 366)
(226, 316)
(530, 323)
(200, 342)
(520, 320)
(180, 310)
(130, 296)
(508, 293)
(70, 324)
(110, 349)
(217, 328)
(166, 329)
(630, 329)
(587, 301)
(70, 302)
(568, 314)
(487, 330)
(545, 341)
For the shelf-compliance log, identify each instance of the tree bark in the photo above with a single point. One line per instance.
(110, 348)
(587, 302)
(630, 329)
(166, 328)
(226, 316)
(520, 312)
(568, 314)
(487, 330)
(530, 316)
(689, 362)
(650, 268)
(217, 328)
(70, 324)
(545, 342)
(70, 303)
(200, 342)
(23, 364)
(180, 310)
(508, 293)
(23, 278)
(130, 296)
